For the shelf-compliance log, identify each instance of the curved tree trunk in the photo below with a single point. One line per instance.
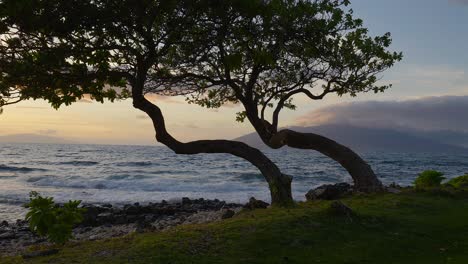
(364, 177)
(279, 184)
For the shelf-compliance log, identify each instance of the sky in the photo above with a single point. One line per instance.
(432, 34)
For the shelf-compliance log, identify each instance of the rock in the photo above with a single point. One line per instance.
(339, 208)
(93, 237)
(107, 205)
(329, 192)
(23, 229)
(105, 215)
(8, 235)
(133, 210)
(40, 253)
(255, 204)
(186, 200)
(394, 185)
(228, 213)
(120, 220)
(393, 190)
(4, 224)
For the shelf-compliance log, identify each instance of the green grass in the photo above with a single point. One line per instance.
(404, 228)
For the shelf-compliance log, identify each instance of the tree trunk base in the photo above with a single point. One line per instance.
(281, 193)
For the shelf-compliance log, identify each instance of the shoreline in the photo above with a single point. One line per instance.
(103, 221)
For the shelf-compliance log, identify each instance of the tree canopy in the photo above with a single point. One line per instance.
(61, 50)
(263, 53)
(260, 53)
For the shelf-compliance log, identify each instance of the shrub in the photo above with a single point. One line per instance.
(428, 179)
(459, 182)
(48, 219)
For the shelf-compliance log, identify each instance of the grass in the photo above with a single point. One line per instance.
(404, 228)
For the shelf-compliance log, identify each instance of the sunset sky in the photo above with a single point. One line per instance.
(433, 35)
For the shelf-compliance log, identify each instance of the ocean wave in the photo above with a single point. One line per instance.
(7, 176)
(78, 163)
(19, 169)
(127, 177)
(90, 150)
(134, 164)
(249, 176)
(38, 178)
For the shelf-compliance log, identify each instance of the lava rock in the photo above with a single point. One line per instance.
(186, 200)
(228, 213)
(329, 192)
(340, 209)
(255, 204)
(8, 235)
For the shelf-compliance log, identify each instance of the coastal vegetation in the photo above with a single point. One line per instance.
(51, 220)
(259, 54)
(409, 227)
(459, 182)
(429, 179)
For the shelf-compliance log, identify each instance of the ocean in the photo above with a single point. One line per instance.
(128, 174)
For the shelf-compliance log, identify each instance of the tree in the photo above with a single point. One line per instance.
(259, 53)
(263, 53)
(60, 51)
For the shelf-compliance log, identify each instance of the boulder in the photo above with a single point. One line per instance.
(340, 209)
(228, 213)
(255, 204)
(329, 192)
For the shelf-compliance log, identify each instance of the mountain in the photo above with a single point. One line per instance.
(445, 136)
(33, 138)
(369, 139)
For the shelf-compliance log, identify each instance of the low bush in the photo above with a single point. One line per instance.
(428, 179)
(50, 220)
(460, 182)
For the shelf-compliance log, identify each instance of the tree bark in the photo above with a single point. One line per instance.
(363, 176)
(279, 184)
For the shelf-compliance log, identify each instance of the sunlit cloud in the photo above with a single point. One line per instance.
(155, 98)
(31, 107)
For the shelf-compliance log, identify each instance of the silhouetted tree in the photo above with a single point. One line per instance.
(263, 53)
(60, 51)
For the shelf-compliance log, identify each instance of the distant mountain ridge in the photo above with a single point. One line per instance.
(364, 139)
(33, 138)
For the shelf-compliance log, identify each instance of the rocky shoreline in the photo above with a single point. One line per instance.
(107, 221)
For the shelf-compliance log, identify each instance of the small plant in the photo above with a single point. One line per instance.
(428, 179)
(48, 219)
(459, 182)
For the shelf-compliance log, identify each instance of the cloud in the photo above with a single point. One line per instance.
(32, 107)
(191, 125)
(85, 100)
(47, 132)
(463, 2)
(430, 113)
(155, 98)
(142, 117)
